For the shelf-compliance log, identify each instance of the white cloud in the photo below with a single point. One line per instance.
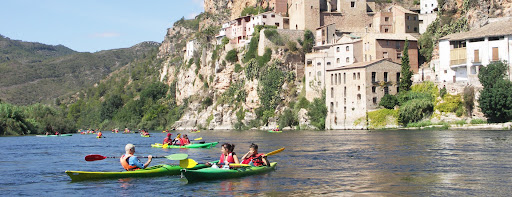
(105, 35)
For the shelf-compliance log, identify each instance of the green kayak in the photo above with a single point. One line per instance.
(270, 131)
(61, 135)
(219, 173)
(154, 171)
(205, 145)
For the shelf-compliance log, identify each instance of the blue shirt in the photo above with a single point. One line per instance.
(134, 161)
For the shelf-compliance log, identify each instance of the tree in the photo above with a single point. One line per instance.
(469, 97)
(496, 97)
(388, 101)
(405, 73)
(317, 111)
(309, 41)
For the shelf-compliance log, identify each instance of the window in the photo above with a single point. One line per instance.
(347, 60)
(414, 18)
(386, 19)
(328, 63)
(344, 77)
(332, 79)
(397, 45)
(385, 55)
(354, 76)
(335, 79)
(476, 56)
(398, 55)
(495, 38)
(385, 76)
(358, 75)
(338, 60)
(445, 71)
(408, 18)
(374, 89)
(332, 107)
(318, 64)
(386, 30)
(345, 101)
(415, 29)
(387, 42)
(358, 97)
(495, 54)
(337, 49)
(374, 74)
(397, 80)
(386, 90)
(277, 24)
(273, 16)
(358, 88)
(339, 78)
(309, 74)
(374, 100)
(352, 4)
(347, 48)
(332, 92)
(408, 27)
(264, 16)
(345, 94)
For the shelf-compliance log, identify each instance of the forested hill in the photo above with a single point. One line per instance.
(33, 72)
(27, 52)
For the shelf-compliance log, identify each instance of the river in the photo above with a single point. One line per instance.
(316, 163)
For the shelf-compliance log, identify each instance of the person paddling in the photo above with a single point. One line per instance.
(227, 156)
(131, 162)
(168, 139)
(185, 140)
(254, 158)
(100, 135)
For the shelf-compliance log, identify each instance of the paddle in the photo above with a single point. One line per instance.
(190, 163)
(198, 138)
(170, 157)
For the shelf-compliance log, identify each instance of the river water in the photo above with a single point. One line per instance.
(317, 163)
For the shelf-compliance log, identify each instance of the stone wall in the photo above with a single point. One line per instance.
(286, 34)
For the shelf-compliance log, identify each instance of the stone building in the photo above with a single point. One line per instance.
(354, 90)
(346, 51)
(348, 15)
(461, 55)
(278, 6)
(396, 20)
(382, 45)
(239, 30)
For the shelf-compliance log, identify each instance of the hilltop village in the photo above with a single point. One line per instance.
(357, 52)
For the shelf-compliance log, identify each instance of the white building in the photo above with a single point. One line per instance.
(345, 51)
(191, 47)
(226, 28)
(462, 54)
(428, 6)
(267, 18)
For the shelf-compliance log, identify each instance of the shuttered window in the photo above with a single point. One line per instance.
(495, 54)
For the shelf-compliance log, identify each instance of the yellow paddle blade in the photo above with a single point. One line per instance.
(275, 152)
(187, 163)
(165, 146)
(198, 138)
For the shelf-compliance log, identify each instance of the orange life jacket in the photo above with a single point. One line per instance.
(256, 160)
(126, 165)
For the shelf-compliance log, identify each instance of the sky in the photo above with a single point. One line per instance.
(93, 25)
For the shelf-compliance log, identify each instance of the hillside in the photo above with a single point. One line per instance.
(33, 72)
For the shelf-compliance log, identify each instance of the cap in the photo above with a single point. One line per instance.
(169, 134)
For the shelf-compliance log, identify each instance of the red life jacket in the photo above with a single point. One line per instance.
(182, 143)
(185, 141)
(126, 165)
(167, 141)
(257, 160)
(230, 158)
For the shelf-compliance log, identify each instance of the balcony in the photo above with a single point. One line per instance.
(458, 56)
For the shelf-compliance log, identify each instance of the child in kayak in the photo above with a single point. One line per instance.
(168, 139)
(185, 140)
(131, 162)
(254, 158)
(227, 156)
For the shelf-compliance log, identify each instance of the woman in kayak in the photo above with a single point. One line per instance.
(254, 158)
(227, 156)
(185, 140)
(100, 134)
(131, 162)
(168, 139)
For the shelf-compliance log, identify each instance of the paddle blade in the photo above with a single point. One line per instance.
(179, 156)
(275, 152)
(198, 138)
(188, 163)
(94, 157)
(238, 165)
(165, 146)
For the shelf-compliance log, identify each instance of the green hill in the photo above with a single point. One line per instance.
(33, 72)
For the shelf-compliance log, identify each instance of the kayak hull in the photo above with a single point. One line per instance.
(154, 171)
(205, 174)
(205, 145)
(270, 131)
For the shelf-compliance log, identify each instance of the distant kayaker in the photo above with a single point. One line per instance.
(131, 162)
(185, 140)
(100, 134)
(168, 139)
(228, 155)
(254, 158)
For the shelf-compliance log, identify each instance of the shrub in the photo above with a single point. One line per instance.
(238, 68)
(442, 92)
(288, 118)
(451, 103)
(225, 40)
(292, 46)
(274, 37)
(309, 41)
(317, 111)
(303, 103)
(232, 56)
(388, 101)
(414, 110)
(478, 121)
(382, 117)
(469, 99)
